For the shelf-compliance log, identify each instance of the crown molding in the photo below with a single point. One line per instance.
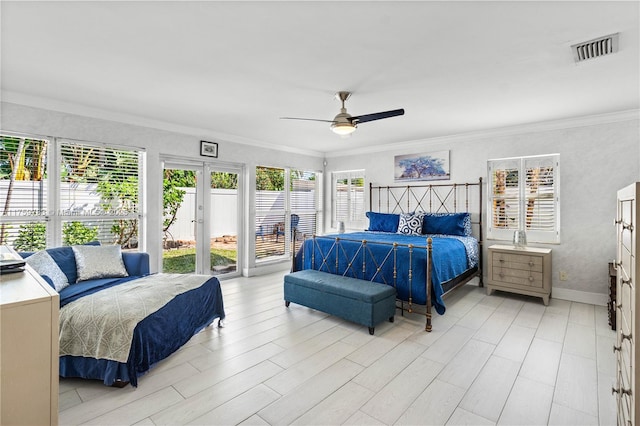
(101, 114)
(537, 127)
(86, 111)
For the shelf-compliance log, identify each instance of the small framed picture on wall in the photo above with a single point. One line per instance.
(209, 149)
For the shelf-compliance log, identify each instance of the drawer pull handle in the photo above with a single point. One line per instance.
(501, 260)
(501, 275)
(531, 263)
(622, 391)
(616, 348)
(628, 282)
(625, 336)
(619, 306)
(629, 226)
(617, 221)
(531, 279)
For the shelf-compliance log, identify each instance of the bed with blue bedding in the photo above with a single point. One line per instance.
(424, 248)
(116, 319)
(116, 333)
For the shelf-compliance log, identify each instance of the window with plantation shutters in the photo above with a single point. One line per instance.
(524, 195)
(348, 199)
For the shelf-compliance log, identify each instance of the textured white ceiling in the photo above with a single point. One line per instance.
(229, 70)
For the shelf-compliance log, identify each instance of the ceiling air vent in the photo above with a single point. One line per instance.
(595, 48)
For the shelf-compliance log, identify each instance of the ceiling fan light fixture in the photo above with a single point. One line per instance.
(343, 129)
(344, 123)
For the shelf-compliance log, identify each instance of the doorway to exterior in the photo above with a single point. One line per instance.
(200, 227)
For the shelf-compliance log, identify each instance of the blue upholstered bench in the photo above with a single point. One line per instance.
(363, 302)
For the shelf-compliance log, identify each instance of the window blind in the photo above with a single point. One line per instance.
(348, 198)
(287, 201)
(99, 193)
(304, 201)
(67, 192)
(23, 192)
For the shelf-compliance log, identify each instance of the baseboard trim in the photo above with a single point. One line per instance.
(268, 268)
(580, 296)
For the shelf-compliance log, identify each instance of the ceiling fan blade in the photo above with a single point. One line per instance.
(305, 119)
(377, 116)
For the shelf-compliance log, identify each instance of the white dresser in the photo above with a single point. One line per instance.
(28, 349)
(627, 325)
(522, 270)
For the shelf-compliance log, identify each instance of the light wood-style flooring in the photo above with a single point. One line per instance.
(500, 359)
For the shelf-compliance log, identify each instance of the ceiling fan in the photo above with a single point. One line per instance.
(343, 123)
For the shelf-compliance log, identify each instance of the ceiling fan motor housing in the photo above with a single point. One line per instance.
(343, 117)
(342, 123)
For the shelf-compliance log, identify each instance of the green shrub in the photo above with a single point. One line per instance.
(78, 233)
(31, 237)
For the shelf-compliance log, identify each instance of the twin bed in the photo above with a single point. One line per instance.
(117, 333)
(424, 240)
(116, 319)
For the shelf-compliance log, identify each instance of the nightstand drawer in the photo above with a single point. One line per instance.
(517, 261)
(517, 276)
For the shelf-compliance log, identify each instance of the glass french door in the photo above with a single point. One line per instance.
(200, 219)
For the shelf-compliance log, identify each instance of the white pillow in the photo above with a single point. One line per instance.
(44, 264)
(93, 262)
(410, 224)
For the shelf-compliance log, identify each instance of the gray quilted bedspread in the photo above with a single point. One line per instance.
(101, 324)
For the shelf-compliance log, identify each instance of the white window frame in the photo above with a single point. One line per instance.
(289, 208)
(355, 215)
(518, 198)
(56, 214)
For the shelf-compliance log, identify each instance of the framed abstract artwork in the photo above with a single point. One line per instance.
(427, 166)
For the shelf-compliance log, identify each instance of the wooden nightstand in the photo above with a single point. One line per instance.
(525, 270)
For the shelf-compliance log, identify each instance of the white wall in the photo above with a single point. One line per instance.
(598, 156)
(159, 143)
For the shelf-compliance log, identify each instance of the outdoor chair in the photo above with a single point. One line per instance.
(295, 219)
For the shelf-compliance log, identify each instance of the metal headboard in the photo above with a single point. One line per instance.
(430, 198)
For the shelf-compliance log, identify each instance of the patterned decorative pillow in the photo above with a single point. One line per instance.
(410, 224)
(44, 264)
(95, 262)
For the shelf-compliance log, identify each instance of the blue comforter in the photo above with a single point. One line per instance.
(374, 261)
(154, 338)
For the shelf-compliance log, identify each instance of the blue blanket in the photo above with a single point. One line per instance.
(373, 261)
(154, 338)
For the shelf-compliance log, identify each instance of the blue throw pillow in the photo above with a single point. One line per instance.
(385, 222)
(447, 223)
